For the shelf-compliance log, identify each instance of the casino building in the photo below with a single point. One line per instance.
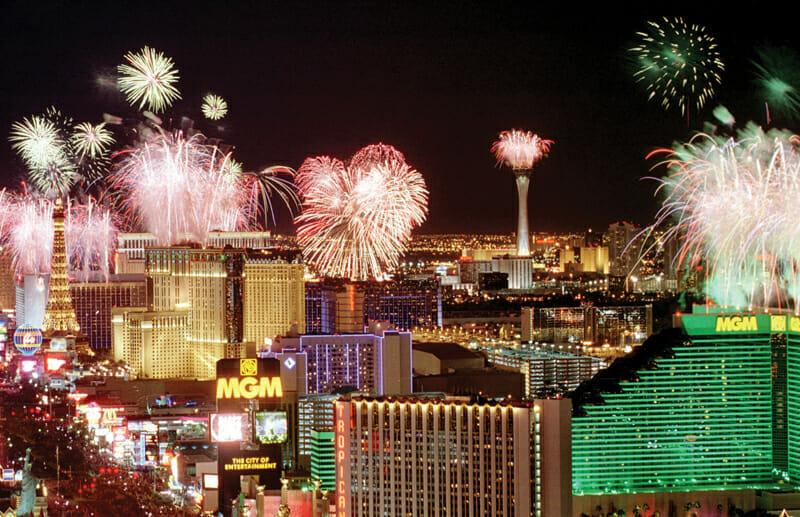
(712, 409)
(449, 456)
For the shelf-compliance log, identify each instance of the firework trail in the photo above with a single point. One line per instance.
(679, 64)
(732, 202)
(778, 77)
(214, 107)
(520, 149)
(149, 79)
(357, 218)
(178, 188)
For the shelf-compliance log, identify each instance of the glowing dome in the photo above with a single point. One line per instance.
(27, 339)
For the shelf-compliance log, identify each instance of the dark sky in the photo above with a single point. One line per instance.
(437, 80)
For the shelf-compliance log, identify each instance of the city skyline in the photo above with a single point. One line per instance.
(439, 84)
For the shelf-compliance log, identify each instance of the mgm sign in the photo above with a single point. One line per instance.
(242, 380)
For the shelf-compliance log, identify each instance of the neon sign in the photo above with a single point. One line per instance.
(249, 387)
(342, 466)
(737, 324)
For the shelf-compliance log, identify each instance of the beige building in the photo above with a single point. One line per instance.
(230, 297)
(274, 297)
(450, 457)
(155, 345)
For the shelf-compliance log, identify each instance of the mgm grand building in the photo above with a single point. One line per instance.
(702, 418)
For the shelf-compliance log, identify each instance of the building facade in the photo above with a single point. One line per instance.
(410, 456)
(613, 325)
(232, 297)
(547, 372)
(379, 362)
(712, 407)
(93, 302)
(274, 295)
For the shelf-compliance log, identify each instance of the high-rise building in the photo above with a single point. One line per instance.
(8, 293)
(349, 310)
(614, 325)
(518, 269)
(320, 310)
(232, 297)
(31, 299)
(710, 407)
(404, 305)
(155, 344)
(622, 251)
(446, 457)
(547, 372)
(93, 302)
(378, 362)
(594, 259)
(315, 414)
(470, 270)
(274, 295)
(323, 465)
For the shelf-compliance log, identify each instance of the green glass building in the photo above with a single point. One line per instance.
(714, 405)
(323, 464)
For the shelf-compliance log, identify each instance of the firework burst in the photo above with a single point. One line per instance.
(26, 228)
(59, 154)
(40, 144)
(778, 76)
(733, 205)
(91, 141)
(28, 235)
(36, 141)
(149, 79)
(178, 188)
(214, 107)
(357, 218)
(679, 64)
(91, 237)
(520, 149)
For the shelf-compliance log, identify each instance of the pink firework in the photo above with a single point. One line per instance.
(183, 189)
(357, 218)
(520, 149)
(28, 234)
(91, 238)
(179, 189)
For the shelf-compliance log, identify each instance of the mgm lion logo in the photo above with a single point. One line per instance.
(248, 367)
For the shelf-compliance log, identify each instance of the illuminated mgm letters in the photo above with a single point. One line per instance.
(249, 388)
(736, 324)
(241, 380)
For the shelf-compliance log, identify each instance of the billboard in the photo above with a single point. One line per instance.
(271, 426)
(229, 427)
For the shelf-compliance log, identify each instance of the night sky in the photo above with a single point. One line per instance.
(437, 80)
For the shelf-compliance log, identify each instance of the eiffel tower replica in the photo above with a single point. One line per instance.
(59, 317)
